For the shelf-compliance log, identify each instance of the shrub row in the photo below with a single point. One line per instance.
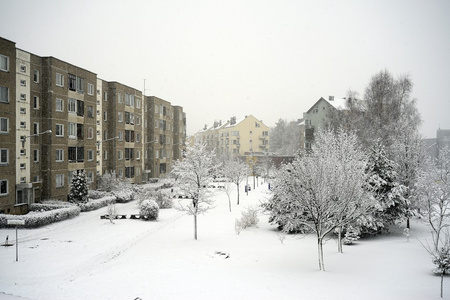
(123, 196)
(41, 217)
(97, 203)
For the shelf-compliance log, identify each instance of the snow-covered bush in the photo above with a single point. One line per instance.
(78, 189)
(41, 217)
(96, 204)
(164, 199)
(248, 219)
(93, 194)
(149, 210)
(124, 195)
(351, 236)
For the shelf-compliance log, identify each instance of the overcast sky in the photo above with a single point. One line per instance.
(271, 59)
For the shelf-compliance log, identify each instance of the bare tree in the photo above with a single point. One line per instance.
(194, 174)
(236, 171)
(325, 189)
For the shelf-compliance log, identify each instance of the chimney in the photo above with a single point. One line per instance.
(331, 98)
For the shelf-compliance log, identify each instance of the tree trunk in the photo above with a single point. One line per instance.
(229, 202)
(340, 239)
(237, 193)
(320, 252)
(442, 284)
(195, 226)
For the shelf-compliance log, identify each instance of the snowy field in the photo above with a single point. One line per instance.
(90, 258)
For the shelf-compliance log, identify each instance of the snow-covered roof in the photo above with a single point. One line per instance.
(339, 104)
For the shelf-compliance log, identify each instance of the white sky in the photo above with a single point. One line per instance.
(271, 59)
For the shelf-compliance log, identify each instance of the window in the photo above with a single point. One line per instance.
(120, 155)
(36, 155)
(59, 180)
(4, 94)
(59, 130)
(72, 105)
(4, 63)
(23, 82)
(90, 133)
(23, 124)
(80, 131)
(80, 85)
(23, 110)
(119, 98)
(35, 102)
(36, 178)
(4, 156)
(128, 153)
(105, 155)
(59, 79)
(23, 97)
(23, 179)
(105, 116)
(120, 173)
(138, 154)
(72, 82)
(59, 104)
(138, 103)
(23, 68)
(90, 155)
(120, 116)
(105, 96)
(59, 155)
(129, 136)
(138, 137)
(90, 89)
(35, 128)
(120, 135)
(90, 111)
(76, 154)
(129, 172)
(90, 177)
(138, 120)
(4, 125)
(36, 76)
(23, 166)
(80, 108)
(23, 152)
(72, 130)
(98, 113)
(3, 187)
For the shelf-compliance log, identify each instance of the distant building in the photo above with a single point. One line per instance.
(238, 137)
(434, 145)
(317, 117)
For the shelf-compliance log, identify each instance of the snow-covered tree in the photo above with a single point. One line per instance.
(236, 171)
(78, 189)
(285, 137)
(109, 182)
(264, 166)
(433, 188)
(390, 205)
(193, 176)
(325, 189)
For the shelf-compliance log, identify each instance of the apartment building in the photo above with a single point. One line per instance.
(57, 118)
(247, 136)
(166, 136)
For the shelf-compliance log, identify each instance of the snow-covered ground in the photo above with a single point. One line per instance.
(90, 258)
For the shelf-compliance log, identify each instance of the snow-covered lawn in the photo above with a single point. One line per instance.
(90, 258)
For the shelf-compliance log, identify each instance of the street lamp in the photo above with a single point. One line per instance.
(23, 138)
(99, 142)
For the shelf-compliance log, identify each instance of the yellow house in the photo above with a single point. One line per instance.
(247, 136)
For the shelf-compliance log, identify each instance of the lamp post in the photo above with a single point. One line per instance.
(23, 138)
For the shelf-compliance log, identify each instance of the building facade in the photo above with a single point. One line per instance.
(57, 118)
(237, 137)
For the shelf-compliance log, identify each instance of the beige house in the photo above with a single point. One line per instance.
(243, 137)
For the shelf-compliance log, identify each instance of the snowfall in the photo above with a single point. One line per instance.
(90, 258)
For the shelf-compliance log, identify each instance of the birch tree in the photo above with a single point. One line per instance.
(193, 176)
(325, 189)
